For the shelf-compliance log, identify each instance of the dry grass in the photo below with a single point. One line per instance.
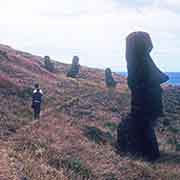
(75, 138)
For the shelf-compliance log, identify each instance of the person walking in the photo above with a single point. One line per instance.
(37, 101)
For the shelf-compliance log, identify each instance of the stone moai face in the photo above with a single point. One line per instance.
(110, 82)
(74, 69)
(138, 44)
(108, 72)
(47, 58)
(75, 60)
(139, 62)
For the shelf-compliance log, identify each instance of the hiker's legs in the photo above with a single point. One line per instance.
(37, 111)
(35, 114)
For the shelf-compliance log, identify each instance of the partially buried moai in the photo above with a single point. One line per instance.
(75, 67)
(48, 64)
(110, 82)
(136, 133)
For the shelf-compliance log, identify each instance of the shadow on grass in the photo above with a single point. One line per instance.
(165, 158)
(96, 135)
(169, 158)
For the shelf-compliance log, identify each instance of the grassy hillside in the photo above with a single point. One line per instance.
(76, 136)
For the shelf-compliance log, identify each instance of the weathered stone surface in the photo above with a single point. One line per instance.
(138, 138)
(110, 82)
(48, 64)
(3, 55)
(75, 67)
(136, 132)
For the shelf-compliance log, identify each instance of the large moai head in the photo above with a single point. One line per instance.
(110, 82)
(48, 64)
(108, 72)
(75, 60)
(139, 62)
(46, 58)
(138, 44)
(3, 55)
(74, 69)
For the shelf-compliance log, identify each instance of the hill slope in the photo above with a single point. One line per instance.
(75, 138)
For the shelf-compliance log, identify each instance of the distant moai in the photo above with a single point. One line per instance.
(48, 64)
(75, 68)
(3, 55)
(110, 82)
(136, 133)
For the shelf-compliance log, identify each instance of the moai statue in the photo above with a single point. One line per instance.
(3, 55)
(110, 82)
(48, 64)
(136, 133)
(75, 67)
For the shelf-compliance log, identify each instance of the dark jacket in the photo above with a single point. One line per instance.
(37, 98)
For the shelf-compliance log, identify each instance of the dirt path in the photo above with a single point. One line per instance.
(5, 169)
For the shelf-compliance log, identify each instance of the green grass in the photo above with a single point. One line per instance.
(174, 130)
(70, 165)
(111, 126)
(178, 147)
(26, 93)
(77, 167)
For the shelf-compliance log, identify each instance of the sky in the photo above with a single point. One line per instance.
(94, 30)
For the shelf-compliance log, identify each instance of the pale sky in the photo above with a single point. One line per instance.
(94, 30)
